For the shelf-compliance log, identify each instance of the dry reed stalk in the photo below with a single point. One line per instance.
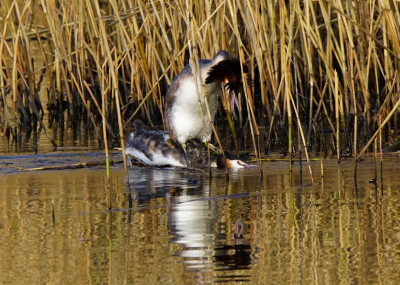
(301, 135)
(322, 169)
(6, 121)
(249, 16)
(289, 111)
(249, 100)
(355, 111)
(287, 74)
(115, 85)
(380, 151)
(24, 107)
(336, 95)
(103, 113)
(385, 121)
(320, 48)
(255, 133)
(376, 160)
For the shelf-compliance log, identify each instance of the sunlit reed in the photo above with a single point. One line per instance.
(113, 61)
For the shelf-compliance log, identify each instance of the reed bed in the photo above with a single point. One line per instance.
(324, 71)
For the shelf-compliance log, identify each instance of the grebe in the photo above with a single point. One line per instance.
(156, 148)
(182, 111)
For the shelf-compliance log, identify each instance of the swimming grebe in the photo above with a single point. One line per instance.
(156, 148)
(182, 111)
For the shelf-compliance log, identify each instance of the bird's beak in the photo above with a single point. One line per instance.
(241, 164)
(247, 165)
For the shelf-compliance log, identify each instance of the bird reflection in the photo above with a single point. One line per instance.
(194, 222)
(150, 183)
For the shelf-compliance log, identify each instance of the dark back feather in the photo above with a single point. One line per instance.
(227, 70)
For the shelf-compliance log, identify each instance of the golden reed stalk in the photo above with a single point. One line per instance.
(345, 60)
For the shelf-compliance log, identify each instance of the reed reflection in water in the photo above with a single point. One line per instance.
(186, 228)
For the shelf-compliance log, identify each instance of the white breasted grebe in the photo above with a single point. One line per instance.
(156, 148)
(182, 111)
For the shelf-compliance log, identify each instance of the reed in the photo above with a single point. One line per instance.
(113, 60)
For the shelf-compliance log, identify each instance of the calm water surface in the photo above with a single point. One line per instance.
(185, 228)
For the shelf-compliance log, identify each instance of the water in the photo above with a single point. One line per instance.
(181, 227)
(185, 228)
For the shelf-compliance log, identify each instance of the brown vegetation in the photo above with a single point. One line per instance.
(315, 66)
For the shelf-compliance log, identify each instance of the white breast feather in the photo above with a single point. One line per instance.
(187, 118)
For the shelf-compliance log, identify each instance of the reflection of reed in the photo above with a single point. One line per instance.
(280, 233)
(35, 249)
